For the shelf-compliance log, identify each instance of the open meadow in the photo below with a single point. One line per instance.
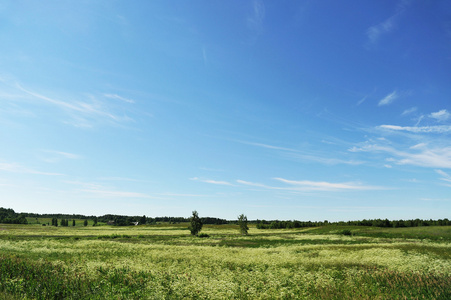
(166, 262)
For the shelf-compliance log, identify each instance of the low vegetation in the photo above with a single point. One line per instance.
(164, 261)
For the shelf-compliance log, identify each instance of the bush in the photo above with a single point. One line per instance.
(346, 232)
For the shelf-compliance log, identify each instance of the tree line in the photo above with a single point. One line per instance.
(262, 224)
(8, 215)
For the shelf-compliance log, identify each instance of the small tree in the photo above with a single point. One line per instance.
(73, 222)
(85, 222)
(95, 221)
(195, 224)
(242, 222)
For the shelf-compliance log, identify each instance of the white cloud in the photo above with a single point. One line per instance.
(311, 186)
(217, 182)
(419, 146)
(375, 32)
(409, 111)
(415, 129)
(445, 176)
(436, 199)
(52, 156)
(306, 185)
(254, 184)
(16, 168)
(114, 96)
(83, 113)
(441, 115)
(439, 157)
(325, 160)
(297, 155)
(388, 99)
(362, 100)
(267, 146)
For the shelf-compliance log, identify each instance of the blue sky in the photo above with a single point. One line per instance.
(308, 110)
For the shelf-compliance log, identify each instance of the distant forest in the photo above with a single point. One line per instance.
(9, 216)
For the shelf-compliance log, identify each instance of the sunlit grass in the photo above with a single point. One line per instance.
(166, 262)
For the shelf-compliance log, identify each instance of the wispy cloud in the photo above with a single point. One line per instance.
(445, 176)
(388, 99)
(311, 186)
(415, 129)
(117, 97)
(83, 113)
(302, 155)
(267, 146)
(52, 156)
(16, 168)
(375, 32)
(254, 184)
(255, 20)
(441, 115)
(439, 157)
(436, 199)
(362, 100)
(217, 182)
(409, 111)
(306, 185)
(325, 160)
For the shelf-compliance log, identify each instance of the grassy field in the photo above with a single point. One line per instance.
(165, 262)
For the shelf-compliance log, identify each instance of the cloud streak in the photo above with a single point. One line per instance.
(83, 113)
(307, 185)
(117, 97)
(16, 168)
(52, 156)
(416, 129)
(311, 186)
(423, 157)
(375, 32)
(216, 182)
(388, 99)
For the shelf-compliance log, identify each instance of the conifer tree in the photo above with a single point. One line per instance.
(242, 222)
(195, 224)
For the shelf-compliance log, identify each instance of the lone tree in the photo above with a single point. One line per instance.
(195, 224)
(242, 222)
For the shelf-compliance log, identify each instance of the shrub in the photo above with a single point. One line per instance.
(346, 232)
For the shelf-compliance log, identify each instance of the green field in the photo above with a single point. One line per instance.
(166, 262)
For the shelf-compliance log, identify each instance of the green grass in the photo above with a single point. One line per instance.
(165, 262)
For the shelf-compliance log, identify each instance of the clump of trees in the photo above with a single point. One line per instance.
(9, 216)
(196, 224)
